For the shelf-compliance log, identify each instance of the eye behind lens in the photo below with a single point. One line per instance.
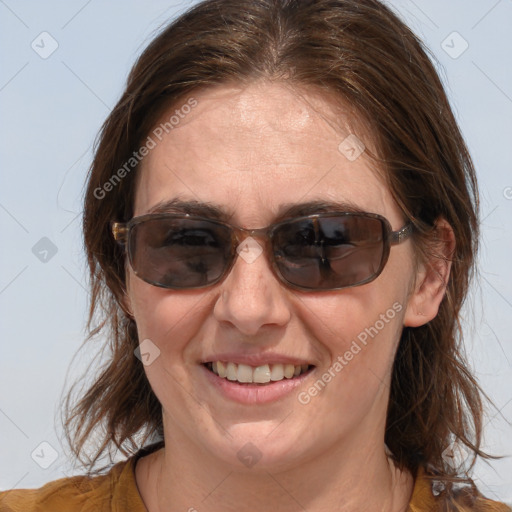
(179, 253)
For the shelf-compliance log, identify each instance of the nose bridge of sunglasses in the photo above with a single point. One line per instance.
(250, 244)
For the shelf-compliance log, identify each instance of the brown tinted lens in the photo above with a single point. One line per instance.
(330, 252)
(179, 253)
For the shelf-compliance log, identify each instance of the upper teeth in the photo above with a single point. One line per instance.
(259, 374)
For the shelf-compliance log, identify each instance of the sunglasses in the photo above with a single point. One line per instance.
(323, 251)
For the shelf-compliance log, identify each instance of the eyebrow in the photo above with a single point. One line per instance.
(192, 207)
(286, 210)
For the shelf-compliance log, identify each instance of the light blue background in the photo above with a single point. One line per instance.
(51, 110)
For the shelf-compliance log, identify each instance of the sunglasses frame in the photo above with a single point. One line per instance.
(121, 232)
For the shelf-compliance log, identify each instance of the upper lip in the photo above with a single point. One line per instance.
(255, 359)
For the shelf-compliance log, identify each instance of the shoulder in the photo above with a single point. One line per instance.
(78, 493)
(426, 498)
(476, 502)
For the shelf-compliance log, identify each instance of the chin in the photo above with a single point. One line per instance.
(251, 446)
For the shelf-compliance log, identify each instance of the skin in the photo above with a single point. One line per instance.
(249, 150)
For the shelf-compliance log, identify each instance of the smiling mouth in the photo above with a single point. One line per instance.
(264, 374)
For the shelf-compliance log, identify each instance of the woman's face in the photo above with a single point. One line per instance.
(249, 152)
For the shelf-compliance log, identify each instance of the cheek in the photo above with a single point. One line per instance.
(359, 328)
(362, 326)
(166, 321)
(359, 336)
(167, 318)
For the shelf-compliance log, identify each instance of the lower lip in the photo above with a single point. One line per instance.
(255, 393)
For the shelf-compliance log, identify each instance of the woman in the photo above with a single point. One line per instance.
(281, 223)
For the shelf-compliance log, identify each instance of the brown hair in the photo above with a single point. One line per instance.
(360, 52)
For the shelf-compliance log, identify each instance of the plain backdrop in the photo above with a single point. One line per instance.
(63, 67)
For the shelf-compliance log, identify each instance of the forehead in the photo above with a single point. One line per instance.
(250, 150)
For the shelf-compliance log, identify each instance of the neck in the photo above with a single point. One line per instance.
(181, 477)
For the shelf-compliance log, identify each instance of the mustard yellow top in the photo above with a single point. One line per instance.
(116, 491)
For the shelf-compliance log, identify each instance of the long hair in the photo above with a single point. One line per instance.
(360, 52)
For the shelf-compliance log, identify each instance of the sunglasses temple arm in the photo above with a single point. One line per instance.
(397, 237)
(120, 231)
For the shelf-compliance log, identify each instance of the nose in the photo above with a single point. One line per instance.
(251, 296)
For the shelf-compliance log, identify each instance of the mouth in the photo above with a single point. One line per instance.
(262, 375)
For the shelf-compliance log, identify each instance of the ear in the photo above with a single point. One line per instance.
(431, 278)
